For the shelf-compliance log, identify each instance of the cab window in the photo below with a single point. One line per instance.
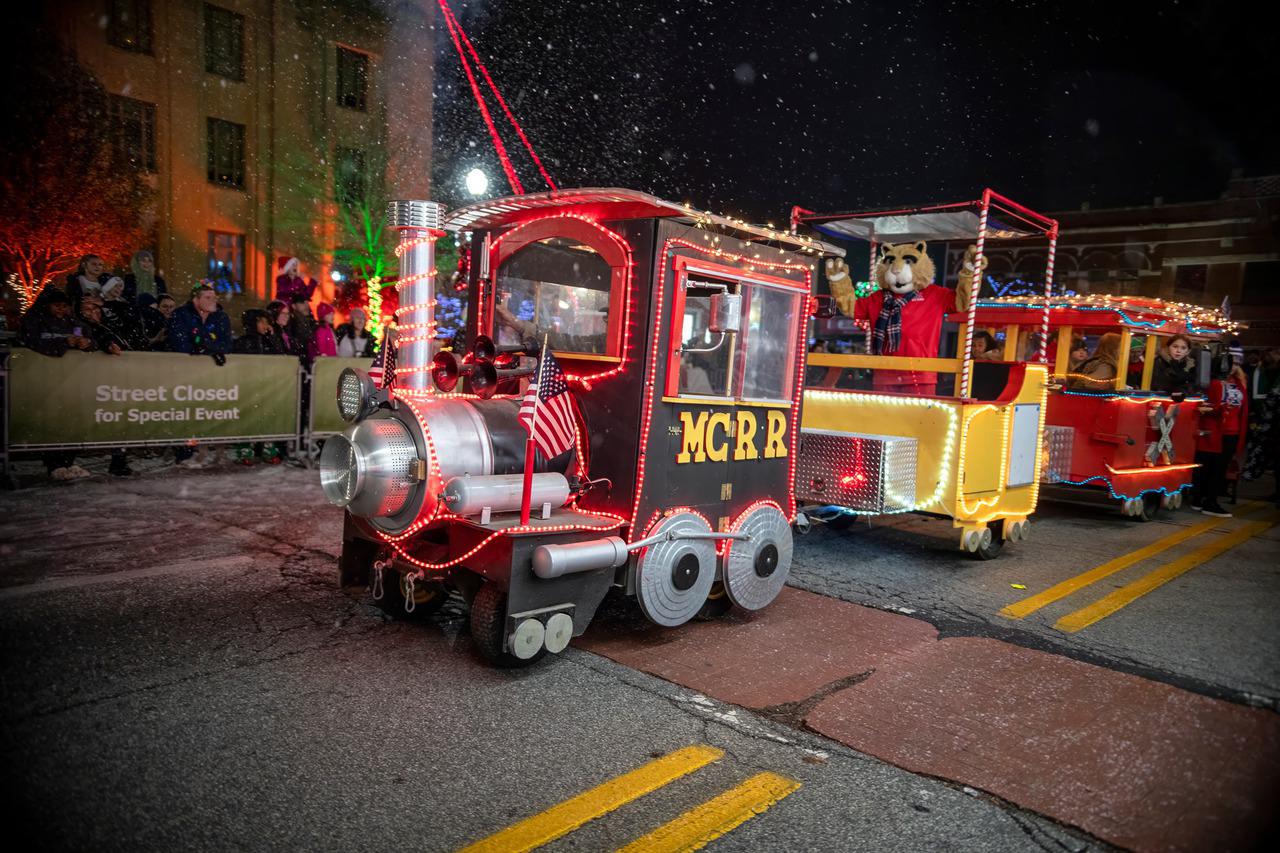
(557, 287)
(705, 356)
(768, 350)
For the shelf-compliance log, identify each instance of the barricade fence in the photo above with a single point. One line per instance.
(138, 399)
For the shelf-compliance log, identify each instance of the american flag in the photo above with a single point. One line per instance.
(383, 371)
(552, 426)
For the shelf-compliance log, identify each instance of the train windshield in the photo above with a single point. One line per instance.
(555, 287)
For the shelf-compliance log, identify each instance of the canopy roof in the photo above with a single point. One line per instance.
(1142, 315)
(1006, 220)
(615, 203)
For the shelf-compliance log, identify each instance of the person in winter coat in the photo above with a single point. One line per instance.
(353, 340)
(201, 327)
(259, 336)
(325, 342)
(142, 278)
(278, 313)
(1174, 371)
(290, 284)
(49, 328)
(1099, 370)
(1222, 421)
(89, 276)
(301, 328)
(90, 316)
(122, 317)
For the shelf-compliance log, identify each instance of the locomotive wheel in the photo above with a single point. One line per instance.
(428, 596)
(1150, 507)
(717, 604)
(992, 549)
(756, 569)
(489, 625)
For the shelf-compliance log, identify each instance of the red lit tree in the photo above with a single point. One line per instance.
(68, 191)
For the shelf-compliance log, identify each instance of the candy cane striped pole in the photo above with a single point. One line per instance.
(871, 278)
(975, 285)
(1043, 355)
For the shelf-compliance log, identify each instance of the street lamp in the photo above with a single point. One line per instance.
(477, 182)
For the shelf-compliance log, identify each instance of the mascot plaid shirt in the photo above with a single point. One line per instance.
(921, 331)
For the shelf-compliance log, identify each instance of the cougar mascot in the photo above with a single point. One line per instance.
(905, 315)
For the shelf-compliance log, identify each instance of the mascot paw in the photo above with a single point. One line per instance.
(841, 284)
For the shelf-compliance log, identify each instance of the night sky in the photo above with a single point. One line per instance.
(750, 107)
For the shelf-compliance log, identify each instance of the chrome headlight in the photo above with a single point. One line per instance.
(357, 395)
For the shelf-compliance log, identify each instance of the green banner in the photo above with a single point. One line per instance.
(148, 397)
(325, 419)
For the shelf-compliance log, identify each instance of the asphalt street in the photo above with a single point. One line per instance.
(180, 670)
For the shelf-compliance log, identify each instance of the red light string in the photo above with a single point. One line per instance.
(620, 241)
(484, 110)
(484, 72)
(646, 419)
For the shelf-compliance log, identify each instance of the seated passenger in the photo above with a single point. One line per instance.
(1079, 354)
(985, 347)
(1100, 370)
(1174, 371)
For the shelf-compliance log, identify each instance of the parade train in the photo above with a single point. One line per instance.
(683, 339)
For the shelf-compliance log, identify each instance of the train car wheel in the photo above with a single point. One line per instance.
(990, 549)
(428, 596)
(674, 577)
(489, 626)
(716, 605)
(1149, 507)
(756, 569)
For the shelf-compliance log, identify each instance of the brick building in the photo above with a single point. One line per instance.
(214, 97)
(1197, 252)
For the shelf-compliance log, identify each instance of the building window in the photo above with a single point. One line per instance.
(226, 261)
(1189, 281)
(226, 153)
(349, 176)
(133, 129)
(223, 42)
(129, 25)
(353, 79)
(1261, 283)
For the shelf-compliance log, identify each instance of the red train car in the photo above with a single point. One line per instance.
(1119, 436)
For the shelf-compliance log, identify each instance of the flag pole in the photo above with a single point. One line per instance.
(530, 449)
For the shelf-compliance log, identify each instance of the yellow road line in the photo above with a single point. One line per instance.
(700, 826)
(1031, 604)
(602, 799)
(1086, 616)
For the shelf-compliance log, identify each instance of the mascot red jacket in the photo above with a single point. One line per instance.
(904, 317)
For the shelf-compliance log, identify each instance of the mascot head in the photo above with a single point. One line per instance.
(904, 268)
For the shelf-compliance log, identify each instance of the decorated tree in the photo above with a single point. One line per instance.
(67, 190)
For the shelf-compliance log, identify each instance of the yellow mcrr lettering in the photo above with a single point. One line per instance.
(773, 445)
(718, 453)
(746, 446)
(693, 435)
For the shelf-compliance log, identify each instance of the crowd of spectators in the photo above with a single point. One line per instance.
(97, 310)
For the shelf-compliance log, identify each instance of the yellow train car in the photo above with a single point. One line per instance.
(972, 449)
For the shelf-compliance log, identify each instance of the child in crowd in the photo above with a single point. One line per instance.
(353, 340)
(325, 341)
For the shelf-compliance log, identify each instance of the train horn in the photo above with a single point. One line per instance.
(446, 370)
(484, 349)
(485, 378)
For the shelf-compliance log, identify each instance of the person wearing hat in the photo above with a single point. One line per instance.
(48, 326)
(290, 284)
(325, 342)
(142, 278)
(259, 337)
(122, 316)
(353, 340)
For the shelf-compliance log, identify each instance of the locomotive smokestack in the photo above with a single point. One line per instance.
(418, 224)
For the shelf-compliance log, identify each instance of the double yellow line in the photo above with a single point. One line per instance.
(693, 829)
(1129, 593)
